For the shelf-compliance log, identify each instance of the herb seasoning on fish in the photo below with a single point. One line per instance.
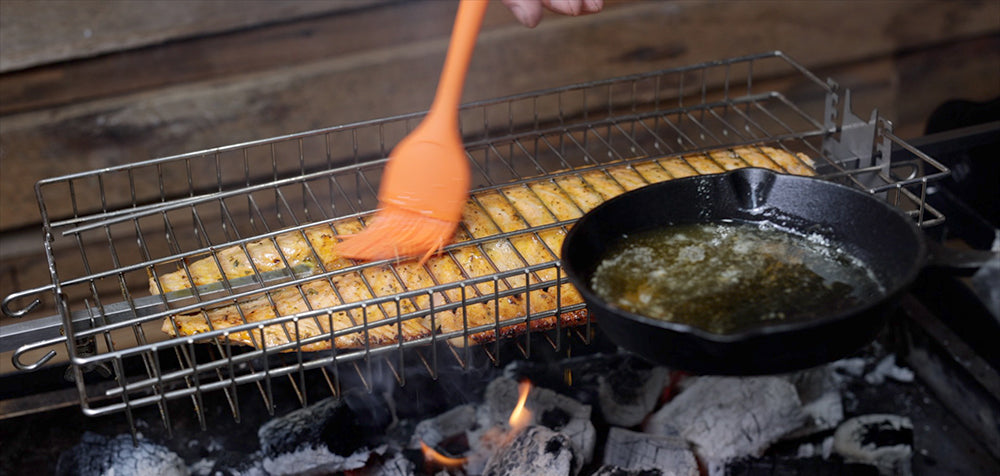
(727, 277)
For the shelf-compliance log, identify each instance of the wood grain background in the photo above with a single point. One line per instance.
(88, 84)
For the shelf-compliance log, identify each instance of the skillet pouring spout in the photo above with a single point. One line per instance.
(752, 187)
(878, 234)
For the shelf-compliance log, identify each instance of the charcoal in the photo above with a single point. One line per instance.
(792, 466)
(629, 392)
(819, 391)
(566, 415)
(450, 424)
(232, 463)
(331, 435)
(883, 441)
(395, 465)
(287, 433)
(887, 369)
(484, 444)
(101, 455)
(535, 450)
(616, 471)
(634, 451)
(822, 448)
(361, 422)
(730, 417)
(318, 460)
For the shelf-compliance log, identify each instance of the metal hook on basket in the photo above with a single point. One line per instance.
(5, 304)
(16, 358)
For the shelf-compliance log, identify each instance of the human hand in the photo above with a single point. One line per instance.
(529, 12)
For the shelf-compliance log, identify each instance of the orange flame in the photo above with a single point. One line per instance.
(521, 417)
(438, 459)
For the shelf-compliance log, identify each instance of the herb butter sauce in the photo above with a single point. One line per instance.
(727, 277)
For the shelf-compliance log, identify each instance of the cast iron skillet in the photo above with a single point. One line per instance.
(871, 229)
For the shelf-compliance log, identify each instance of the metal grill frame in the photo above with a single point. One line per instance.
(578, 128)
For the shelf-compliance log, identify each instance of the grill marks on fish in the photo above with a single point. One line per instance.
(498, 303)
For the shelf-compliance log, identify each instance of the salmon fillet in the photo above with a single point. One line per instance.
(496, 303)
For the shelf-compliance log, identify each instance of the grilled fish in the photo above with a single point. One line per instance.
(491, 304)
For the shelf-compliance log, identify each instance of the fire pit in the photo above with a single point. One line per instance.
(424, 379)
(861, 415)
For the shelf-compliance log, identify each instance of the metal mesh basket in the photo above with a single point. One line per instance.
(144, 219)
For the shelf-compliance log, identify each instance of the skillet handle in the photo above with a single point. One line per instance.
(962, 262)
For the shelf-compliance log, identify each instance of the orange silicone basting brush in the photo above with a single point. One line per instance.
(426, 181)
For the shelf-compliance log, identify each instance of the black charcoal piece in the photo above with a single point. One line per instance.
(792, 466)
(554, 418)
(630, 391)
(287, 433)
(329, 436)
(345, 425)
(360, 422)
(98, 454)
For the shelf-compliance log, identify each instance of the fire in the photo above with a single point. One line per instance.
(438, 459)
(521, 417)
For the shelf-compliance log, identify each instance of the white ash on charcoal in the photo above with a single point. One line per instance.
(874, 370)
(548, 408)
(100, 455)
(730, 417)
(625, 388)
(447, 430)
(633, 451)
(822, 449)
(229, 463)
(535, 450)
(317, 460)
(886, 369)
(329, 436)
(394, 465)
(484, 443)
(819, 390)
(630, 392)
(849, 367)
(615, 471)
(478, 432)
(883, 441)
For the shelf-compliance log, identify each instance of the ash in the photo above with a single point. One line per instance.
(100, 455)
(598, 414)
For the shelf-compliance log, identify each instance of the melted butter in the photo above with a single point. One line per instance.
(727, 277)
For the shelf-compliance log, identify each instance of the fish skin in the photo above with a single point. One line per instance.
(542, 202)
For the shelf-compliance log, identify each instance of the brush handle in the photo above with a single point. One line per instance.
(468, 21)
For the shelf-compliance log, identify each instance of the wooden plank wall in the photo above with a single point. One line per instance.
(159, 78)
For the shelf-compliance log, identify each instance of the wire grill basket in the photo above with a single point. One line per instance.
(144, 219)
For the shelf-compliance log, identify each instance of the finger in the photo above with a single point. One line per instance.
(593, 6)
(528, 12)
(565, 7)
(574, 7)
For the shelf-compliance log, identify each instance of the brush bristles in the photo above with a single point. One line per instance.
(395, 233)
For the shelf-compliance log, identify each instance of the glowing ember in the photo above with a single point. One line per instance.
(438, 459)
(521, 417)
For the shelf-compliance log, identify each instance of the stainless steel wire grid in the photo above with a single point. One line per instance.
(148, 218)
